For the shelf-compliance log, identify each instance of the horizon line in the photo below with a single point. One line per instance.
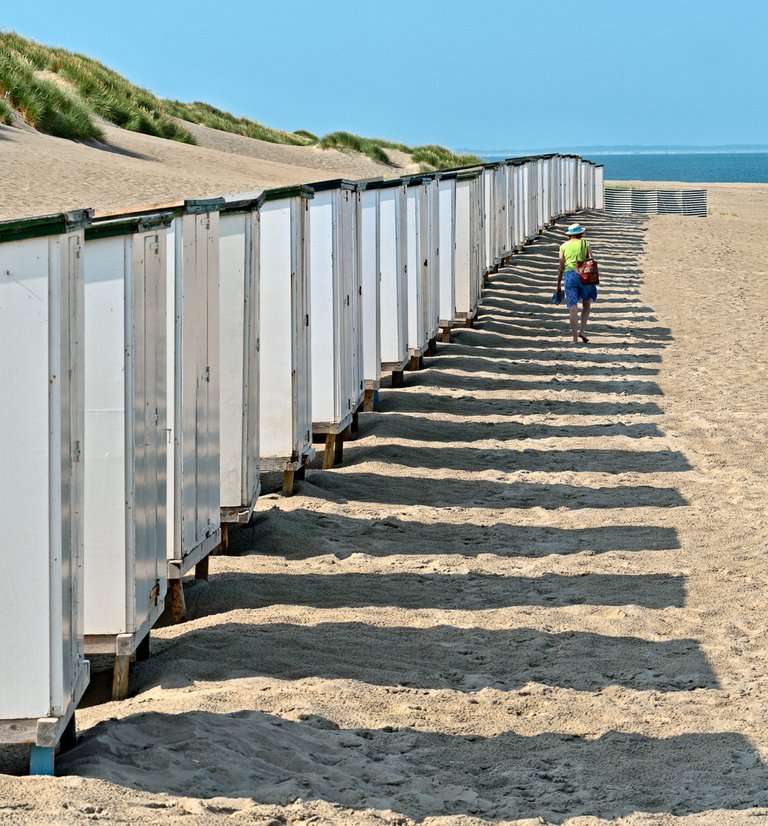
(619, 148)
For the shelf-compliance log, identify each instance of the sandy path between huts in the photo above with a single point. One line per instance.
(534, 593)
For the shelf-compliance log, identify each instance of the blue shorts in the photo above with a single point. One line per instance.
(575, 291)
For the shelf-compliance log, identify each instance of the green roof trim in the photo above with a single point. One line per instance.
(195, 206)
(245, 202)
(58, 223)
(334, 183)
(299, 191)
(468, 174)
(127, 225)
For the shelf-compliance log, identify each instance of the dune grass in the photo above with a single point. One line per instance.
(6, 112)
(41, 102)
(60, 92)
(428, 157)
(438, 157)
(207, 115)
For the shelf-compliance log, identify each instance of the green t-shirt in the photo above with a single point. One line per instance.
(572, 252)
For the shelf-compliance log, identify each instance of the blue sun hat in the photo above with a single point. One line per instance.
(575, 229)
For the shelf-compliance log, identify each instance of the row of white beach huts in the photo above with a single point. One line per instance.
(157, 362)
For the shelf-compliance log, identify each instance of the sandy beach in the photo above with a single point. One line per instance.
(535, 591)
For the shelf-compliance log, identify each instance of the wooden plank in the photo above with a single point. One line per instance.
(137, 210)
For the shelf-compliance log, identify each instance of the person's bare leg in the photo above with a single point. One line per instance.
(586, 306)
(575, 323)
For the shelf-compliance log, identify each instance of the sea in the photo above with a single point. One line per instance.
(695, 167)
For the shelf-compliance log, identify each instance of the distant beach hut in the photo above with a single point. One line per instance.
(393, 283)
(126, 440)
(496, 202)
(432, 261)
(44, 673)
(447, 254)
(470, 255)
(369, 239)
(285, 383)
(599, 186)
(194, 499)
(336, 333)
(239, 351)
(488, 218)
(417, 231)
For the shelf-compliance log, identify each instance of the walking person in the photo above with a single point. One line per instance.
(575, 250)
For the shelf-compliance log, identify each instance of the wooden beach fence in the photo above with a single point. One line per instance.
(285, 382)
(44, 673)
(239, 351)
(656, 201)
(336, 300)
(126, 446)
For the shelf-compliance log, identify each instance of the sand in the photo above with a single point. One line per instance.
(43, 174)
(535, 592)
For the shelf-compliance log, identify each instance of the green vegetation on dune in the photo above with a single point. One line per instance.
(59, 92)
(41, 102)
(6, 112)
(207, 115)
(428, 157)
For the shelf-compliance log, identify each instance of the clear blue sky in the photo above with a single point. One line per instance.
(486, 74)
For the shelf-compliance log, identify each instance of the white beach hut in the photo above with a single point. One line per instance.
(432, 261)
(489, 218)
(336, 332)
(369, 235)
(44, 673)
(393, 283)
(126, 445)
(417, 267)
(599, 176)
(285, 383)
(502, 248)
(469, 255)
(194, 498)
(239, 343)
(447, 254)
(521, 203)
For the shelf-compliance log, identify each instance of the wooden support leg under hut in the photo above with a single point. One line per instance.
(201, 569)
(175, 601)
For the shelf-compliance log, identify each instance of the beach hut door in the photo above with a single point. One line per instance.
(67, 256)
(149, 415)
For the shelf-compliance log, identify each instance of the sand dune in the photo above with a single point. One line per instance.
(43, 174)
